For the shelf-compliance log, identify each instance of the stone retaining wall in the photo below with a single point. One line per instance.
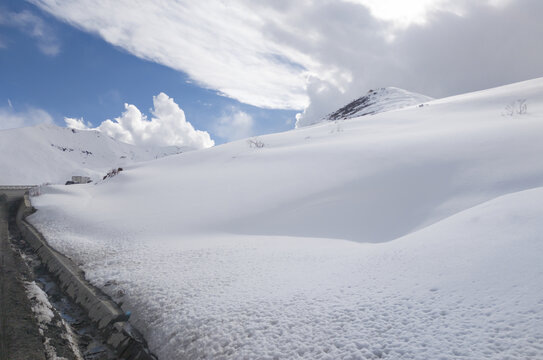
(108, 316)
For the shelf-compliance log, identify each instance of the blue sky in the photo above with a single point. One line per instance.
(273, 62)
(91, 78)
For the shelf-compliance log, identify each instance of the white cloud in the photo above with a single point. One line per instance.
(35, 27)
(78, 124)
(404, 13)
(287, 54)
(220, 44)
(474, 46)
(234, 125)
(168, 126)
(10, 118)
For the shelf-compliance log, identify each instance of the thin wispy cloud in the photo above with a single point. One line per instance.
(220, 45)
(11, 118)
(234, 125)
(318, 54)
(33, 26)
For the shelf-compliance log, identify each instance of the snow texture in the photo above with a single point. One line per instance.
(40, 303)
(412, 234)
(43, 310)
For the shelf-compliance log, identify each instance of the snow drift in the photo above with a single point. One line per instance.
(412, 234)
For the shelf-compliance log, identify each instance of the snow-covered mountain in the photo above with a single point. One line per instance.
(378, 101)
(410, 234)
(51, 154)
(373, 102)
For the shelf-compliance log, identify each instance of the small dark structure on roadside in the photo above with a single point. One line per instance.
(79, 180)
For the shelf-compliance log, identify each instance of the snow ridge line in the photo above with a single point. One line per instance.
(467, 209)
(101, 309)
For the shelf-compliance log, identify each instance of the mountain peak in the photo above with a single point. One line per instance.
(373, 102)
(377, 101)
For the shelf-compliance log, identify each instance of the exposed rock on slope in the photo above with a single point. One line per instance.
(53, 154)
(378, 101)
(374, 102)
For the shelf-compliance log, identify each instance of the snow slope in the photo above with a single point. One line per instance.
(413, 234)
(48, 153)
(374, 102)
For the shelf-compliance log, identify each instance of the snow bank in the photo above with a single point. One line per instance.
(41, 306)
(412, 234)
(43, 311)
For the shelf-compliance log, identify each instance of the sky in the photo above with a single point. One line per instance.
(214, 71)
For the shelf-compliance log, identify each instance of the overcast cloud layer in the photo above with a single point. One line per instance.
(285, 54)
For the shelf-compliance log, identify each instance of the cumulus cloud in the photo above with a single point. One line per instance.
(234, 125)
(78, 124)
(33, 26)
(285, 54)
(10, 118)
(167, 126)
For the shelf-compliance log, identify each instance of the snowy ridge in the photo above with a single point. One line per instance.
(378, 101)
(51, 154)
(411, 234)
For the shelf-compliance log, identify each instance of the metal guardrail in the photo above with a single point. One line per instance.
(17, 187)
(14, 192)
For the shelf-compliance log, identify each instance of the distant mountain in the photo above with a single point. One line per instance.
(53, 154)
(374, 102)
(378, 101)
